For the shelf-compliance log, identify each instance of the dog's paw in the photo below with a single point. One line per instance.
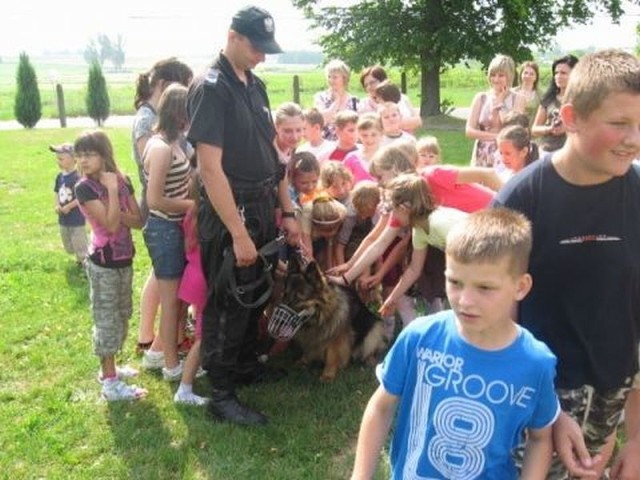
(328, 377)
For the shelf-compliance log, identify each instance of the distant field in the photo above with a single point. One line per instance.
(458, 85)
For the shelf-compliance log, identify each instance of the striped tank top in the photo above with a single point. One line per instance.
(176, 183)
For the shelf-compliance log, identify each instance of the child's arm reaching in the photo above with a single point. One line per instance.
(375, 426)
(368, 240)
(384, 265)
(339, 253)
(537, 454)
(375, 250)
(408, 278)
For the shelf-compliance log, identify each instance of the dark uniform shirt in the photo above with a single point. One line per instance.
(235, 117)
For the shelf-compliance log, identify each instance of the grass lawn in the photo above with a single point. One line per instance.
(54, 423)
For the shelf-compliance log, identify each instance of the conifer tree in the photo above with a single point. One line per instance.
(97, 96)
(27, 107)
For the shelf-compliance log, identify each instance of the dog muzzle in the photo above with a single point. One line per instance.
(285, 322)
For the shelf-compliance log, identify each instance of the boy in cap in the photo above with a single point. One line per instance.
(70, 219)
(241, 181)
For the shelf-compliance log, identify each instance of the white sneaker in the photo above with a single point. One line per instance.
(173, 374)
(189, 398)
(201, 372)
(123, 372)
(152, 360)
(115, 390)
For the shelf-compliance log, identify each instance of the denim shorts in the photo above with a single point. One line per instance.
(165, 243)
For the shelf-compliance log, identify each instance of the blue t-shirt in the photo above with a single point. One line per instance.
(462, 410)
(64, 188)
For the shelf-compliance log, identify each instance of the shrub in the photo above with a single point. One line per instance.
(28, 107)
(97, 95)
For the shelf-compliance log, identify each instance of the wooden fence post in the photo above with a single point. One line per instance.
(403, 82)
(296, 89)
(61, 110)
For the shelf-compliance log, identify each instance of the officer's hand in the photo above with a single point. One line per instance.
(244, 250)
(292, 229)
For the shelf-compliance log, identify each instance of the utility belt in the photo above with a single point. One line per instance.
(248, 192)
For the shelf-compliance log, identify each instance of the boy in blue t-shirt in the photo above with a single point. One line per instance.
(467, 383)
(70, 219)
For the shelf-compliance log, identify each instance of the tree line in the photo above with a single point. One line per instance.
(28, 105)
(428, 36)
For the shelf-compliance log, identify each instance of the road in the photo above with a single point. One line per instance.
(125, 121)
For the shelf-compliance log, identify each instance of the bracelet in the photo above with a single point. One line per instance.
(347, 282)
(288, 214)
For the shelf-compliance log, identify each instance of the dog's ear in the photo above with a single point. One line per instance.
(294, 264)
(314, 274)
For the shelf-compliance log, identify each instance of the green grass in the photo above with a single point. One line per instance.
(56, 426)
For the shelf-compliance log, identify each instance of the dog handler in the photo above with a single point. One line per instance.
(242, 181)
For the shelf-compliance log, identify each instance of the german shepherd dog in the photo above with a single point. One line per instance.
(338, 326)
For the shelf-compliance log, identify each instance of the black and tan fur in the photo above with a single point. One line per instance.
(340, 327)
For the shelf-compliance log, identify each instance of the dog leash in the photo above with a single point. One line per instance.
(226, 277)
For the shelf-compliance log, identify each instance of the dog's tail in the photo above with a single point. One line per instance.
(373, 345)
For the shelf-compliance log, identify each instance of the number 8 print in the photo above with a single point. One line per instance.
(463, 428)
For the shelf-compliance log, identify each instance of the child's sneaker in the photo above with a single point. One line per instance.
(189, 398)
(172, 374)
(201, 372)
(123, 372)
(152, 360)
(114, 390)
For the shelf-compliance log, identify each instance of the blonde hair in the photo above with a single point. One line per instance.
(365, 193)
(313, 117)
(369, 120)
(489, 235)
(287, 110)
(326, 211)
(412, 192)
(338, 66)
(598, 75)
(345, 117)
(392, 157)
(331, 170)
(428, 143)
(504, 64)
(388, 106)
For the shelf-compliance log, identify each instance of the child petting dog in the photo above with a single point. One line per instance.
(467, 383)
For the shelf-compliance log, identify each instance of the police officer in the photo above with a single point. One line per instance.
(242, 181)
